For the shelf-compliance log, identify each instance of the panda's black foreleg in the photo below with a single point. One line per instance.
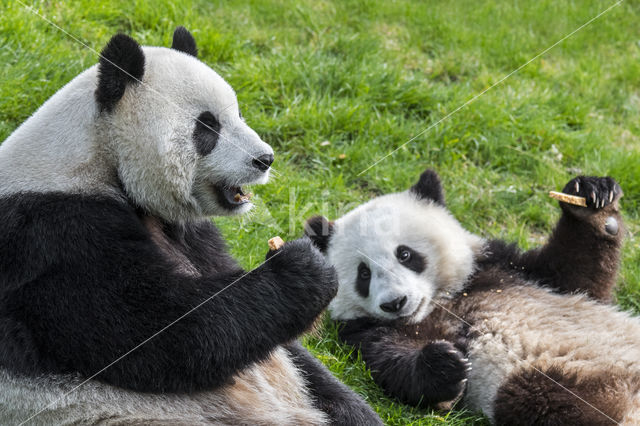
(343, 406)
(414, 372)
(583, 252)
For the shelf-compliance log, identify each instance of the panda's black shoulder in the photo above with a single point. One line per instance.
(48, 227)
(62, 216)
(41, 231)
(83, 234)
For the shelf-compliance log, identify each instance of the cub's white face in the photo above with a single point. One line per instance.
(182, 148)
(396, 256)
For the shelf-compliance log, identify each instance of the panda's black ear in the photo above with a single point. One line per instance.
(121, 63)
(319, 229)
(184, 42)
(429, 187)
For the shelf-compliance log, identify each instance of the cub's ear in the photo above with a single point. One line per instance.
(429, 187)
(184, 42)
(319, 229)
(121, 63)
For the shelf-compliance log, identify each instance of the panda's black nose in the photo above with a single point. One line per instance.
(263, 162)
(395, 305)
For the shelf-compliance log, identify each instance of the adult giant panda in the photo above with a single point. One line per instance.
(107, 255)
(440, 313)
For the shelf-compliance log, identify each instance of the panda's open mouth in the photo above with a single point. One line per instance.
(232, 197)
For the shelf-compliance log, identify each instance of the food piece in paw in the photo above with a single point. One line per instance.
(275, 243)
(569, 199)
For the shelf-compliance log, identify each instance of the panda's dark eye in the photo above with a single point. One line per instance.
(209, 120)
(411, 259)
(364, 273)
(363, 280)
(240, 115)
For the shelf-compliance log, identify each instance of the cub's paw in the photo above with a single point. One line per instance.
(446, 369)
(299, 264)
(598, 191)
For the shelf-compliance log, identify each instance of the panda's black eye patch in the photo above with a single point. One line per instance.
(363, 280)
(205, 136)
(240, 115)
(411, 259)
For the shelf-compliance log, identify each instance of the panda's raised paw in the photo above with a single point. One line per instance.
(446, 369)
(599, 192)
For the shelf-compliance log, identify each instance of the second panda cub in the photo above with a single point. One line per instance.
(441, 314)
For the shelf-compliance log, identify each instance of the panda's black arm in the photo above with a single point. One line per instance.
(410, 370)
(88, 285)
(583, 252)
(343, 405)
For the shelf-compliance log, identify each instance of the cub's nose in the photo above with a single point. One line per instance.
(395, 305)
(263, 162)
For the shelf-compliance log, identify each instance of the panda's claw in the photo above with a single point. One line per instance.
(577, 187)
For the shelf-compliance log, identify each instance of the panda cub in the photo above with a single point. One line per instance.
(110, 269)
(441, 314)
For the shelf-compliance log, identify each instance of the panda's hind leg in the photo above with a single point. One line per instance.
(551, 396)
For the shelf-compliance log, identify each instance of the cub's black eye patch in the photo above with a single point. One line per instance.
(363, 280)
(205, 136)
(411, 259)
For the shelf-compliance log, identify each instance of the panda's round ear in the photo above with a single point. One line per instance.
(429, 187)
(319, 229)
(184, 42)
(121, 63)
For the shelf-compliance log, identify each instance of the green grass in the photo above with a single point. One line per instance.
(367, 76)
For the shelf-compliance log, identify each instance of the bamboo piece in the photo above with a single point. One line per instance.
(569, 199)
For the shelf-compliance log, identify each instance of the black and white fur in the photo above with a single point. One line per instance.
(441, 314)
(104, 241)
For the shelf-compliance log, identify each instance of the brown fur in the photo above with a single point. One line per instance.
(589, 348)
(169, 248)
(529, 397)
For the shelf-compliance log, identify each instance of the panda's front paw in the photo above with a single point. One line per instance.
(598, 191)
(446, 369)
(299, 266)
